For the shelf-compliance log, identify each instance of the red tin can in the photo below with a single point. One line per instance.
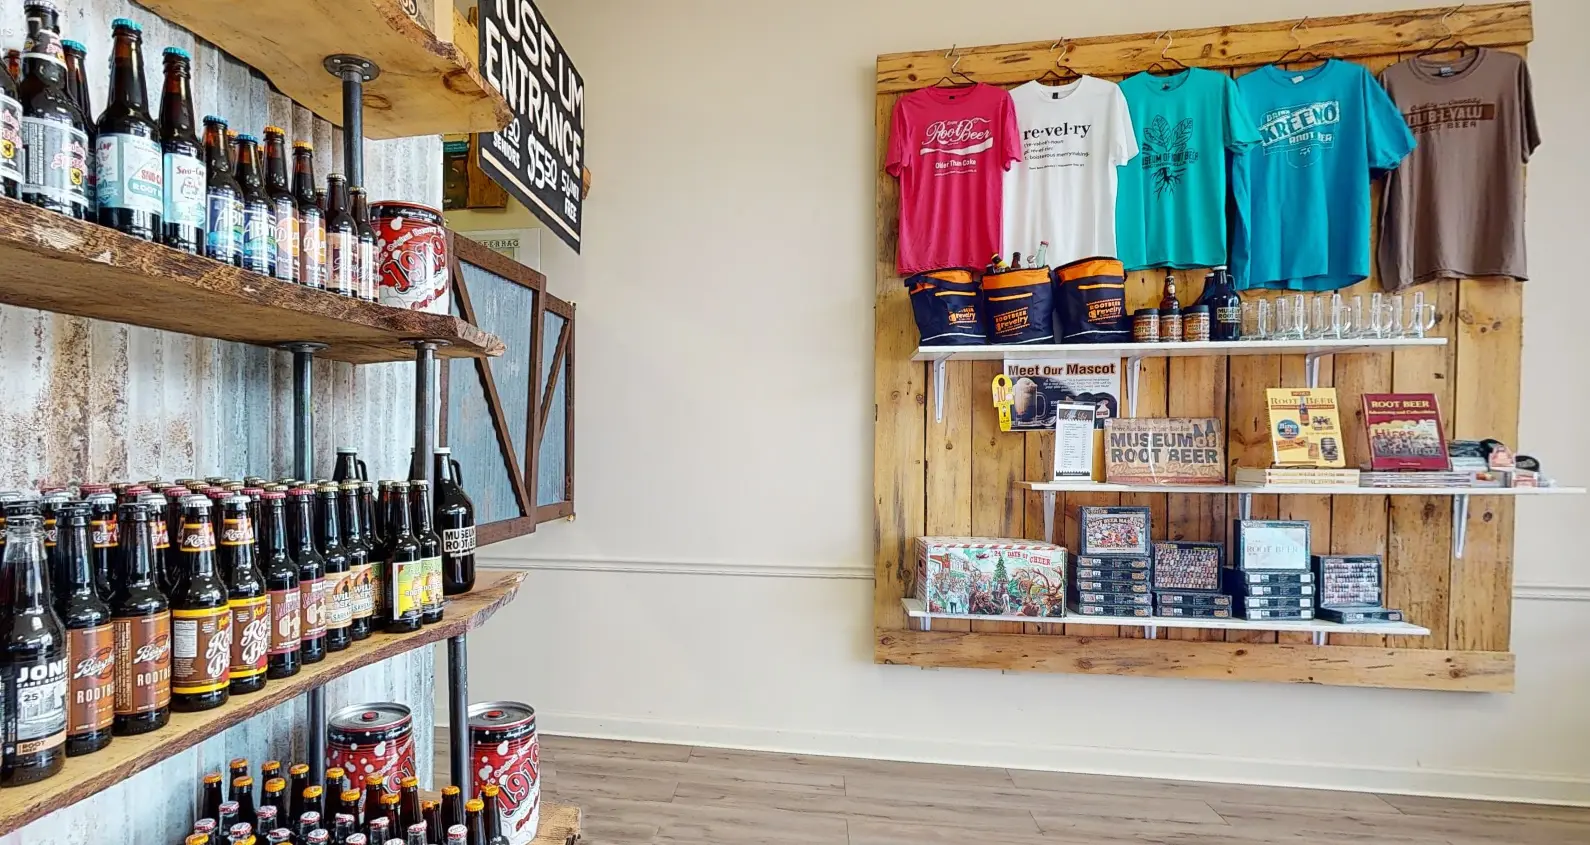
(504, 751)
(368, 739)
(411, 252)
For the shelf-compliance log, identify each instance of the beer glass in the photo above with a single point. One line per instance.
(1422, 318)
(1318, 324)
(1341, 318)
(1256, 319)
(1379, 319)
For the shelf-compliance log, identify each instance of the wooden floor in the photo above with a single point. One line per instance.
(643, 794)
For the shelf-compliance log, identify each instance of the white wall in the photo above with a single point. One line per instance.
(716, 587)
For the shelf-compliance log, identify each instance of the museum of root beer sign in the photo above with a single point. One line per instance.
(538, 157)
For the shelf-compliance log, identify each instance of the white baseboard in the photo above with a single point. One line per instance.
(1308, 774)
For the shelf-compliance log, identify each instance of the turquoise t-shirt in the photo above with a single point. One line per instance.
(1303, 193)
(1171, 210)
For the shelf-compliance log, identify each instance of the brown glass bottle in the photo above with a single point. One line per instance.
(455, 522)
(160, 559)
(223, 209)
(32, 657)
(10, 137)
(311, 573)
(405, 565)
(1170, 328)
(348, 803)
(274, 794)
(54, 129)
(77, 90)
(491, 811)
(375, 511)
(358, 554)
(366, 280)
(284, 657)
(431, 811)
(336, 780)
(130, 178)
(102, 533)
(430, 551)
(298, 781)
(452, 806)
(339, 583)
(259, 214)
(243, 794)
(90, 636)
(342, 239)
(475, 820)
(182, 218)
(201, 621)
(210, 798)
(284, 207)
(311, 221)
(315, 799)
(141, 619)
(374, 788)
(247, 598)
(409, 803)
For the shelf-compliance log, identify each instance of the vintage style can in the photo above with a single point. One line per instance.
(369, 739)
(411, 251)
(503, 750)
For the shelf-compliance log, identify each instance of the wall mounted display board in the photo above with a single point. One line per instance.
(953, 472)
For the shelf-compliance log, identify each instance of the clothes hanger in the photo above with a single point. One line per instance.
(1065, 73)
(1307, 55)
(1459, 45)
(954, 72)
(1157, 67)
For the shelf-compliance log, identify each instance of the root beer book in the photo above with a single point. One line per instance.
(1405, 432)
(1305, 426)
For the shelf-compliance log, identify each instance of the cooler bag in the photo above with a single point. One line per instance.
(1092, 307)
(948, 308)
(1020, 306)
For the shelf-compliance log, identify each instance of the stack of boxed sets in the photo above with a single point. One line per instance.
(1273, 579)
(1114, 569)
(978, 576)
(1352, 589)
(1187, 580)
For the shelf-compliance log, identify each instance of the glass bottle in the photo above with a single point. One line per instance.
(430, 551)
(246, 598)
(141, 618)
(353, 545)
(159, 560)
(32, 657)
(223, 222)
(365, 281)
(259, 214)
(1225, 306)
(10, 138)
(311, 222)
(54, 130)
(342, 239)
(339, 584)
(404, 565)
(201, 621)
(284, 207)
(1169, 311)
(455, 520)
(311, 574)
(210, 797)
(128, 156)
(90, 638)
(183, 169)
(284, 658)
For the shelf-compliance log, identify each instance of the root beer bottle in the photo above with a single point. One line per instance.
(358, 554)
(102, 531)
(311, 222)
(339, 583)
(32, 658)
(90, 638)
(182, 218)
(246, 598)
(201, 621)
(405, 565)
(367, 270)
(156, 504)
(342, 239)
(130, 186)
(141, 618)
(430, 552)
(284, 208)
(370, 512)
(284, 658)
(10, 138)
(455, 520)
(311, 574)
(54, 130)
(259, 216)
(223, 221)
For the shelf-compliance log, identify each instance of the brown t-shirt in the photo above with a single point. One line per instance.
(1455, 208)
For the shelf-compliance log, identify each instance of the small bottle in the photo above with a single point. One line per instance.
(311, 221)
(54, 129)
(1015, 260)
(342, 239)
(1170, 330)
(405, 566)
(284, 206)
(284, 657)
(130, 188)
(365, 281)
(298, 781)
(141, 616)
(210, 798)
(358, 554)
(311, 573)
(91, 696)
(33, 657)
(201, 621)
(243, 794)
(335, 784)
(10, 138)
(259, 214)
(223, 223)
(431, 602)
(1043, 253)
(247, 598)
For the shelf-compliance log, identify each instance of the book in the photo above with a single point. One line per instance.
(1421, 479)
(1165, 451)
(1305, 426)
(1405, 432)
(1296, 477)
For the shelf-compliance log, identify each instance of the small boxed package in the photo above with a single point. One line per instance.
(990, 577)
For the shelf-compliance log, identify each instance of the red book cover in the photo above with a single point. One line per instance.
(1405, 432)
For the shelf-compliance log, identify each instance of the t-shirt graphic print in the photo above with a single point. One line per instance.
(950, 149)
(1300, 133)
(1166, 155)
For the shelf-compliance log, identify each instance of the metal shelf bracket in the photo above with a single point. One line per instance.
(938, 388)
(1460, 524)
(1048, 516)
(1134, 373)
(1311, 364)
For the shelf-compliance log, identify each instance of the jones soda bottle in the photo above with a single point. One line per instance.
(32, 658)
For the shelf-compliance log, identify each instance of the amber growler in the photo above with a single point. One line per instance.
(182, 217)
(311, 222)
(430, 552)
(283, 660)
(284, 207)
(246, 598)
(405, 565)
(455, 521)
(128, 154)
(32, 657)
(358, 554)
(223, 209)
(141, 617)
(311, 573)
(54, 129)
(339, 581)
(201, 620)
(90, 637)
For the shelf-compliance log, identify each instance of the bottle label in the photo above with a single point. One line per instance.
(197, 537)
(458, 542)
(1228, 314)
(237, 532)
(251, 634)
(52, 533)
(339, 607)
(259, 227)
(92, 706)
(286, 239)
(363, 596)
(403, 592)
(44, 46)
(40, 722)
(162, 536)
(223, 226)
(143, 663)
(379, 601)
(367, 270)
(312, 250)
(312, 595)
(201, 650)
(286, 621)
(130, 173)
(184, 177)
(432, 595)
(56, 162)
(10, 139)
(104, 534)
(341, 255)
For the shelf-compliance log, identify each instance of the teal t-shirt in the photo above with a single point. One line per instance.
(1303, 193)
(1171, 210)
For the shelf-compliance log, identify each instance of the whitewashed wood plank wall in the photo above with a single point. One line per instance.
(90, 400)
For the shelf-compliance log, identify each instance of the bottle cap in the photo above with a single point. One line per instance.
(274, 130)
(210, 118)
(247, 138)
(121, 23)
(271, 495)
(213, 777)
(178, 52)
(298, 769)
(303, 145)
(74, 46)
(474, 805)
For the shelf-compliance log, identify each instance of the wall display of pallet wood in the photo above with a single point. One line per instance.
(959, 475)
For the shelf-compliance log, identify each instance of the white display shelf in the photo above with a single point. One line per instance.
(1319, 628)
(1183, 349)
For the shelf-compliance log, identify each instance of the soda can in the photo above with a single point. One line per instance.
(503, 750)
(367, 739)
(411, 253)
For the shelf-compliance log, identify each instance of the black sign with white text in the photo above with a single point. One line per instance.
(538, 157)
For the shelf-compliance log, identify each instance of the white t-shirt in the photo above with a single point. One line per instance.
(1074, 136)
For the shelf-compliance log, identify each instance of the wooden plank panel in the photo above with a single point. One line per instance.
(999, 461)
(1244, 45)
(949, 455)
(1315, 509)
(1143, 290)
(1430, 669)
(1248, 445)
(1040, 465)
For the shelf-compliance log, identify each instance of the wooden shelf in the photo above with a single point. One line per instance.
(1292, 490)
(84, 777)
(560, 825)
(427, 85)
(55, 263)
(915, 609)
(1171, 350)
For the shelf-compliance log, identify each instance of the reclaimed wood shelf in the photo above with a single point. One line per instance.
(1291, 489)
(427, 85)
(560, 825)
(1180, 349)
(54, 263)
(126, 756)
(916, 609)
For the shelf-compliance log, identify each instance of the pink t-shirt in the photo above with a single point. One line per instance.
(950, 149)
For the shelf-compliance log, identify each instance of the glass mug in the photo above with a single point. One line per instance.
(1421, 319)
(1255, 319)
